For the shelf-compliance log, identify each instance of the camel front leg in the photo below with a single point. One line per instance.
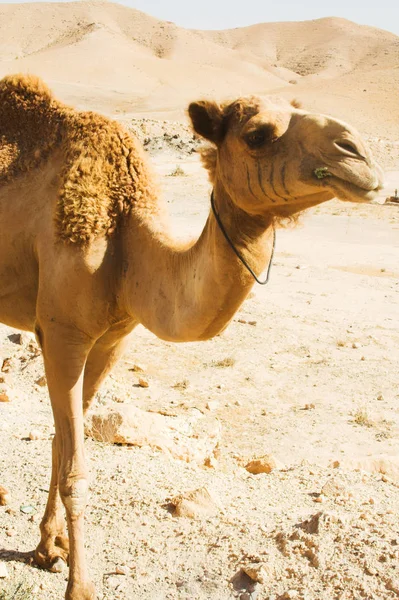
(65, 351)
(53, 549)
(103, 356)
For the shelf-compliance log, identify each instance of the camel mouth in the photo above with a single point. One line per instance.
(360, 191)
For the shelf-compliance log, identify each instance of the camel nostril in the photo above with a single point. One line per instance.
(348, 148)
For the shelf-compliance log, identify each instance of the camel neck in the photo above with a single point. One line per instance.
(191, 293)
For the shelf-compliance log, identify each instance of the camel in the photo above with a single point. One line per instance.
(85, 255)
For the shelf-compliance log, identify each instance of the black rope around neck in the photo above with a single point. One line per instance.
(222, 229)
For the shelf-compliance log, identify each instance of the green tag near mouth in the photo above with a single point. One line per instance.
(322, 172)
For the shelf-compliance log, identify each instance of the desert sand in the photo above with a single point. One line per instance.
(306, 373)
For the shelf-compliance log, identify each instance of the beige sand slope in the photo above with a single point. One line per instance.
(118, 59)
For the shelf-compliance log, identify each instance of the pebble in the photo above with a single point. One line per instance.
(4, 496)
(380, 397)
(334, 487)
(137, 368)
(4, 397)
(195, 504)
(27, 509)
(356, 345)
(212, 405)
(257, 571)
(122, 570)
(262, 464)
(41, 381)
(393, 585)
(6, 366)
(3, 571)
(35, 434)
(19, 338)
(143, 383)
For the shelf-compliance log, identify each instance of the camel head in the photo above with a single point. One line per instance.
(272, 157)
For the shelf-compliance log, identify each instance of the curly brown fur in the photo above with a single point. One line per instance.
(104, 173)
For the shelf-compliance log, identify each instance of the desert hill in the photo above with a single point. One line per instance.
(120, 60)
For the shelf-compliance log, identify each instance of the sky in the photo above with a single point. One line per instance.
(224, 14)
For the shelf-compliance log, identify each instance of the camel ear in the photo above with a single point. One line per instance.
(207, 120)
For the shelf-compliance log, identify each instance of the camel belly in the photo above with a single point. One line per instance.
(18, 290)
(18, 265)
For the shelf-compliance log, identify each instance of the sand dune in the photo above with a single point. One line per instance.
(120, 60)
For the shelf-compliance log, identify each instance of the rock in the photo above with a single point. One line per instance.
(291, 595)
(27, 509)
(212, 405)
(334, 487)
(143, 383)
(122, 570)
(19, 338)
(4, 496)
(393, 586)
(192, 438)
(35, 434)
(195, 504)
(41, 381)
(356, 345)
(6, 365)
(4, 396)
(263, 464)
(3, 571)
(137, 368)
(257, 571)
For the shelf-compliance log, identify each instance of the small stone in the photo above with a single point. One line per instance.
(310, 406)
(137, 368)
(356, 345)
(35, 434)
(319, 499)
(195, 504)
(393, 585)
(212, 405)
(41, 381)
(334, 487)
(10, 532)
(6, 366)
(18, 338)
(380, 397)
(3, 571)
(143, 383)
(4, 396)
(369, 570)
(27, 509)
(4, 496)
(253, 323)
(122, 570)
(257, 571)
(262, 464)
(290, 595)
(335, 464)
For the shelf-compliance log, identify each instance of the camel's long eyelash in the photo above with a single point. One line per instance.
(259, 137)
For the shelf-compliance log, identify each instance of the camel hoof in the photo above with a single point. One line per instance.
(54, 560)
(58, 566)
(85, 591)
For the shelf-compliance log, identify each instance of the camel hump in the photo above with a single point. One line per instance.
(25, 88)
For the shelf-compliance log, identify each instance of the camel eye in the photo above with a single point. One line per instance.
(256, 139)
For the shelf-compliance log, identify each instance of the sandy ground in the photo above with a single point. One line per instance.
(313, 381)
(306, 372)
